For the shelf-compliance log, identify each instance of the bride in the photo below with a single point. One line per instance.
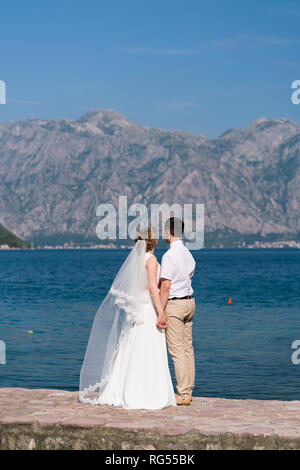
(126, 361)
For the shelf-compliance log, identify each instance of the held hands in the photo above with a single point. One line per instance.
(161, 321)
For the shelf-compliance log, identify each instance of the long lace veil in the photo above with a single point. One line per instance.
(117, 313)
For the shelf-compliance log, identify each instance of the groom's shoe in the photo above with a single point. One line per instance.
(183, 401)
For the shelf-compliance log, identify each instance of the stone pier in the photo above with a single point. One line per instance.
(54, 419)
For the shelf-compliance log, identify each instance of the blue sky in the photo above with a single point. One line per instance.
(199, 66)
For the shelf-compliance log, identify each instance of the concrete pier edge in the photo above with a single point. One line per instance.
(54, 419)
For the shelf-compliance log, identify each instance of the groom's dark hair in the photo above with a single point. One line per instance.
(175, 226)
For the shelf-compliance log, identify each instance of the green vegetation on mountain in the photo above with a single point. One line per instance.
(8, 238)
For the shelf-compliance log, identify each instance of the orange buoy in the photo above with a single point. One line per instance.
(230, 300)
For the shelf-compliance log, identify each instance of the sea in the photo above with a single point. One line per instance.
(247, 318)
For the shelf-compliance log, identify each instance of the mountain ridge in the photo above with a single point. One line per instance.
(54, 173)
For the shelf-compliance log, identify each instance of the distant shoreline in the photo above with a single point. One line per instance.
(124, 247)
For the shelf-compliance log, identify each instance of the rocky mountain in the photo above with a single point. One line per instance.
(54, 173)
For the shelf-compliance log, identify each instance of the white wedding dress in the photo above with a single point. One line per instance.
(140, 376)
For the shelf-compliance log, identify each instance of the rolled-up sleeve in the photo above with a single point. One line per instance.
(167, 267)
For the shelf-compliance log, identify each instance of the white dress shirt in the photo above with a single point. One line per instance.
(178, 265)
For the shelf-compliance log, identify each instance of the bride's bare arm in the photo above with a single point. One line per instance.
(151, 266)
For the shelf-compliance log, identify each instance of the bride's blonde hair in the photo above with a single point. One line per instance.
(149, 235)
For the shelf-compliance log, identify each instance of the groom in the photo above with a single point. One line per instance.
(176, 295)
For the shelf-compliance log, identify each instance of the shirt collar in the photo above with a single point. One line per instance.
(175, 242)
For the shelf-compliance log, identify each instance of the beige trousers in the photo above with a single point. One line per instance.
(180, 315)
